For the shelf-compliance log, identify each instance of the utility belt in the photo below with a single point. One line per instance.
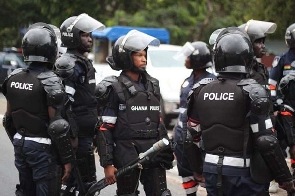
(229, 161)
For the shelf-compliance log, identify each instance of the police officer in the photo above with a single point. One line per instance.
(231, 115)
(34, 123)
(198, 58)
(78, 76)
(282, 66)
(131, 121)
(257, 31)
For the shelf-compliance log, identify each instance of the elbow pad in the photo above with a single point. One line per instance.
(59, 132)
(271, 152)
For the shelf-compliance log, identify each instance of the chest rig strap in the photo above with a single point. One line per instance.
(219, 171)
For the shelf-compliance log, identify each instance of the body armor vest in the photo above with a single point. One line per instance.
(28, 103)
(217, 129)
(84, 95)
(139, 110)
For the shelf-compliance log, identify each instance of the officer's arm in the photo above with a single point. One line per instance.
(105, 137)
(58, 128)
(8, 123)
(269, 148)
(193, 136)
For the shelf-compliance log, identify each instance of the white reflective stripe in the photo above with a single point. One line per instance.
(273, 93)
(70, 90)
(180, 124)
(181, 110)
(40, 140)
(272, 82)
(188, 178)
(268, 124)
(92, 81)
(109, 119)
(192, 190)
(230, 161)
(254, 128)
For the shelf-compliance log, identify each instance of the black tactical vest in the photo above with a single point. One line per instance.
(84, 95)
(227, 134)
(27, 99)
(139, 110)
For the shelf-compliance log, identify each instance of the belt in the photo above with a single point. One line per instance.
(230, 161)
(40, 140)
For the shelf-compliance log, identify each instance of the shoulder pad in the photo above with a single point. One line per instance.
(204, 81)
(286, 79)
(50, 81)
(276, 61)
(101, 89)
(247, 84)
(14, 72)
(260, 103)
(64, 65)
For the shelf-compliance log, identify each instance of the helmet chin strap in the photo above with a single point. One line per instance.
(137, 70)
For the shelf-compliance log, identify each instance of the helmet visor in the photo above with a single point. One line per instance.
(137, 41)
(186, 50)
(217, 34)
(214, 36)
(86, 23)
(260, 27)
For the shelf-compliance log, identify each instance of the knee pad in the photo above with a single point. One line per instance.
(86, 165)
(127, 184)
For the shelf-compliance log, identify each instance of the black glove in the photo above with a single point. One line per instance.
(288, 186)
(163, 158)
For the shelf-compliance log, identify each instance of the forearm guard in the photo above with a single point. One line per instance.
(269, 148)
(105, 146)
(9, 126)
(287, 120)
(59, 132)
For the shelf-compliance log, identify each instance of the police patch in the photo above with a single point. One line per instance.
(276, 61)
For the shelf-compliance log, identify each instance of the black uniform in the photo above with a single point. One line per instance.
(230, 114)
(131, 121)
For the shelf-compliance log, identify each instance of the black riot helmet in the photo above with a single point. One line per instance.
(199, 53)
(133, 41)
(290, 36)
(257, 29)
(39, 44)
(72, 27)
(232, 50)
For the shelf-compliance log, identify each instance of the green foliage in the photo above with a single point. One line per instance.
(187, 20)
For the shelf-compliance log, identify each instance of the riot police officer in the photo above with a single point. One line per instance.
(78, 76)
(131, 120)
(257, 31)
(231, 116)
(34, 123)
(283, 66)
(198, 57)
